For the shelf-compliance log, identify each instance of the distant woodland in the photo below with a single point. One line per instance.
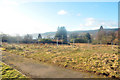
(62, 37)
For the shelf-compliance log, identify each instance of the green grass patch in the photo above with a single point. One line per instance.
(8, 73)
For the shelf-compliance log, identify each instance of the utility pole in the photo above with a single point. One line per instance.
(112, 44)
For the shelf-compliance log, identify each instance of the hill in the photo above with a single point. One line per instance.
(80, 32)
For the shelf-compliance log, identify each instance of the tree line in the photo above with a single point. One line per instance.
(61, 37)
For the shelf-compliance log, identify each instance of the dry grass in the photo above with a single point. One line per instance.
(100, 59)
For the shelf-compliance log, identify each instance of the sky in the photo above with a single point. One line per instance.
(35, 16)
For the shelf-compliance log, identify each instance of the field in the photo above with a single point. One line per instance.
(10, 73)
(98, 59)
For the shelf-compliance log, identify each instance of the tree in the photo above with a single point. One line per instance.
(79, 40)
(74, 35)
(7, 38)
(101, 35)
(110, 37)
(47, 41)
(116, 38)
(27, 39)
(88, 37)
(18, 38)
(10, 39)
(39, 36)
(61, 34)
(4, 38)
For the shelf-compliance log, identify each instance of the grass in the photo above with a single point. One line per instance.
(99, 59)
(8, 72)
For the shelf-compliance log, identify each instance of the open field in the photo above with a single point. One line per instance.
(99, 59)
(10, 73)
(35, 69)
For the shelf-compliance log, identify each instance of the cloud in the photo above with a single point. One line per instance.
(14, 22)
(9, 3)
(62, 12)
(89, 21)
(92, 23)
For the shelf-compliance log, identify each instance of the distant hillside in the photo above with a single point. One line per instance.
(52, 34)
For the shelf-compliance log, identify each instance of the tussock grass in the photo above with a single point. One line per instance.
(100, 59)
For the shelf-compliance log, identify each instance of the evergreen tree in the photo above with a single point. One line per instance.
(39, 36)
(88, 37)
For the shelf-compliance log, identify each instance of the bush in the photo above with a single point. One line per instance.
(10, 48)
(94, 42)
(78, 40)
(46, 41)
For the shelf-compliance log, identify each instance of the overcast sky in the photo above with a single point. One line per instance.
(34, 16)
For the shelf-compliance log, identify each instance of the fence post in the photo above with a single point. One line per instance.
(73, 42)
(112, 44)
(88, 43)
(62, 39)
(57, 41)
(100, 44)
